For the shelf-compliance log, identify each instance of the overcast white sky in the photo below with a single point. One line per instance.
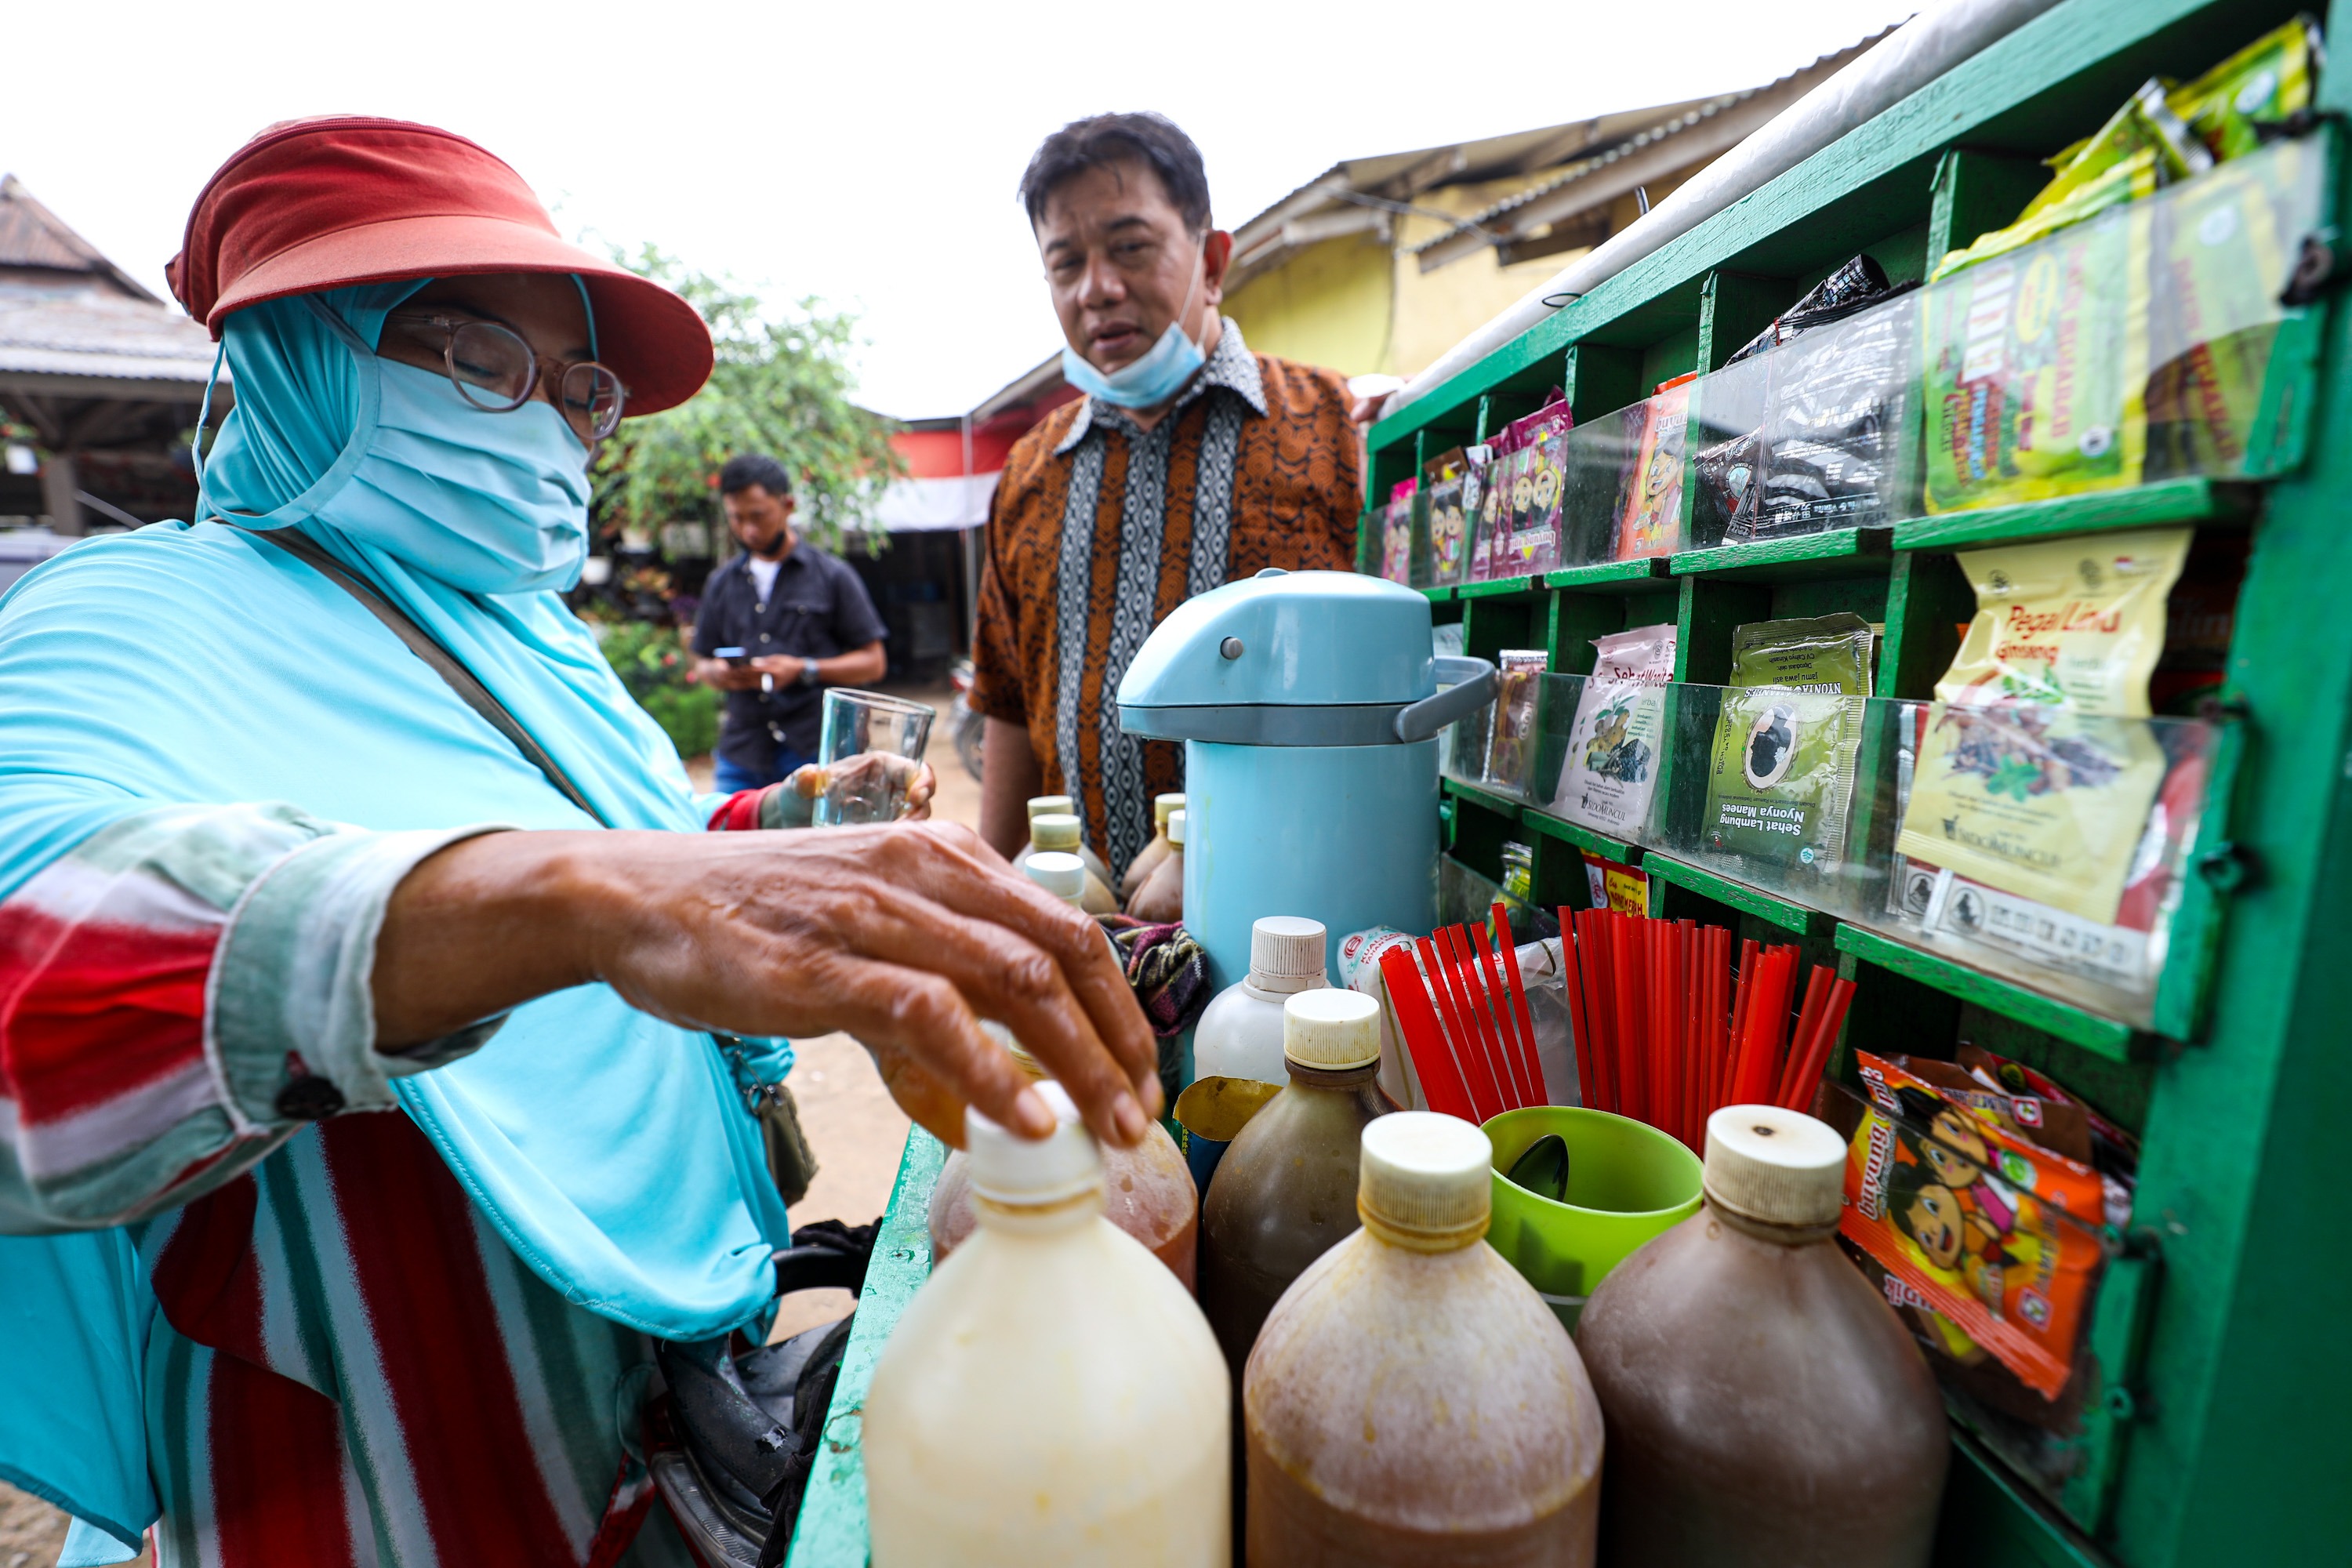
(866, 153)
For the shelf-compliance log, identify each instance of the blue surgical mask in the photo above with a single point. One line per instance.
(1150, 381)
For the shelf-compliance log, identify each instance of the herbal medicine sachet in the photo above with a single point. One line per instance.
(2034, 776)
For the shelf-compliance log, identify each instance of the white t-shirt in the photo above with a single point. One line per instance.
(764, 575)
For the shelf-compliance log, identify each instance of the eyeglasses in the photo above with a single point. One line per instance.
(496, 370)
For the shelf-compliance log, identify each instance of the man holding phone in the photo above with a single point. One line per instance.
(780, 623)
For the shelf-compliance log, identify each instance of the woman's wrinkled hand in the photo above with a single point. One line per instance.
(904, 936)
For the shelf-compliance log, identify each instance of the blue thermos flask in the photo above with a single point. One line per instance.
(1309, 704)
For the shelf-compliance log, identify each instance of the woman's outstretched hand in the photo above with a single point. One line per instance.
(904, 936)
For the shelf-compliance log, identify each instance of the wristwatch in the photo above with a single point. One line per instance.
(809, 676)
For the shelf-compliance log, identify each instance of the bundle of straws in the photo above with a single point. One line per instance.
(1667, 1033)
(1462, 1011)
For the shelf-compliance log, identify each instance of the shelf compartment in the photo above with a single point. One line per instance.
(1539, 821)
(2106, 1036)
(1839, 553)
(1785, 913)
(832, 1532)
(2165, 504)
(1480, 795)
(1609, 576)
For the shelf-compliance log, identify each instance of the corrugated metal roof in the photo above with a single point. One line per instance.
(88, 333)
(31, 236)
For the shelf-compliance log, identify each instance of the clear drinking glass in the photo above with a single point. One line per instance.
(871, 750)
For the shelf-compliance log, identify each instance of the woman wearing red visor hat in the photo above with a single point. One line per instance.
(324, 805)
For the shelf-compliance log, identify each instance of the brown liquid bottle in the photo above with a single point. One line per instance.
(1147, 1190)
(1160, 899)
(1411, 1402)
(1284, 1193)
(1766, 1408)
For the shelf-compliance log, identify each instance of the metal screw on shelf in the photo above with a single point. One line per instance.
(2226, 867)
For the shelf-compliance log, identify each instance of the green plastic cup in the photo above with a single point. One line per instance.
(1628, 1181)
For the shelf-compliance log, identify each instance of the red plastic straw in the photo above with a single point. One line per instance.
(1768, 1024)
(1515, 989)
(1600, 1004)
(1727, 1069)
(1632, 1078)
(1477, 1000)
(1808, 1019)
(1571, 974)
(1694, 989)
(1805, 1081)
(1665, 1025)
(1478, 1073)
(1506, 1025)
(1441, 1081)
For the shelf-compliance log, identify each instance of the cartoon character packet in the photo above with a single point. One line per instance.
(1650, 506)
(1396, 533)
(1532, 493)
(2000, 1237)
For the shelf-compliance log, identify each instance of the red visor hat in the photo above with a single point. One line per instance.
(338, 200)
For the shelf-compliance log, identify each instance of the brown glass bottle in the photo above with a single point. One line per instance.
(1285, 1194)
(1765, 1407)
(1411, 1402)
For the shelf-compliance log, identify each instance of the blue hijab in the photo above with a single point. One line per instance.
(611, 1150)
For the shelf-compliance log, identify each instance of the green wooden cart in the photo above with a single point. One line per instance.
(2221, 1426)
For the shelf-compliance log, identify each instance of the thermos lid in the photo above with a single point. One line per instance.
(1775, 1166)
(1287, 953)
(1053, 830)
(1331, 1029)
(1039, 805)
(1011, 1169)
(1176, 826)
(1062, 874)
(1426, 1181)
(1162, 805)
(1304, 638)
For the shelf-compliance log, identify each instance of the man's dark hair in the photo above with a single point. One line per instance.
(754, 468)
(1102, 140)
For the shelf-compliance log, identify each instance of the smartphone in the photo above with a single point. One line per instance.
(734, 655)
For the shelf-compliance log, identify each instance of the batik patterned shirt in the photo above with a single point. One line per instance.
(1099, 530)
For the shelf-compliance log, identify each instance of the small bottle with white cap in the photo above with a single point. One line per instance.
(1160, 899)
(1240, 1032)
(1052, 1394)
(1147, 859)
(1284, 1193)
(1059, 805)
(1765, 1404)
(1411, 1402)
(1058, 834)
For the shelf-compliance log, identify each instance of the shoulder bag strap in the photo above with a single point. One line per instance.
(444, 663)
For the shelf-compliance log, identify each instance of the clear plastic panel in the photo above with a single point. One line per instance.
(2034, 844)
(2131, 348)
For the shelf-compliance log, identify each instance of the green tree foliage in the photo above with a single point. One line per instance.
(783, 386)
(652, 661)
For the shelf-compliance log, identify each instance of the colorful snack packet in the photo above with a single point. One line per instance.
(1611, 769)
(1396, 533)
(2266, 83)
(2034, 367)
(2029, 778)
(1833, 451)
(1444, 478)
(1491, 535)
(1510, 749)
(1781, 779)
(1621, 888)
(1993, 1233)
(1650, 506)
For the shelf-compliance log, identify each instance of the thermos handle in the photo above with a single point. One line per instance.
(1475, 686)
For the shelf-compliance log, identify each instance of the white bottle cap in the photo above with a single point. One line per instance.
(1011, 1169)
(1039, 805)
(1162, 805)
(1426, 1181)
(1053, 830)
(1775, 1166)
(1287, 953)
(1331, 1029)
(1176, 826)
(1060, 874)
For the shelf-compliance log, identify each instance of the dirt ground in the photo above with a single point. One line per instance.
(850, 1119)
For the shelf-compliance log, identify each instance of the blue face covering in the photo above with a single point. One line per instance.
(492, 503)
(1150, 380)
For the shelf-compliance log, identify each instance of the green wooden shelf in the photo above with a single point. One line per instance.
(2168, 503)
(1439, 596)
(2106, 1036)
(1583, 837)
(1498, 587)
(1479, 796)
(832, 1532)
(1608, 576)
(1786, 912)
(1839, 552)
